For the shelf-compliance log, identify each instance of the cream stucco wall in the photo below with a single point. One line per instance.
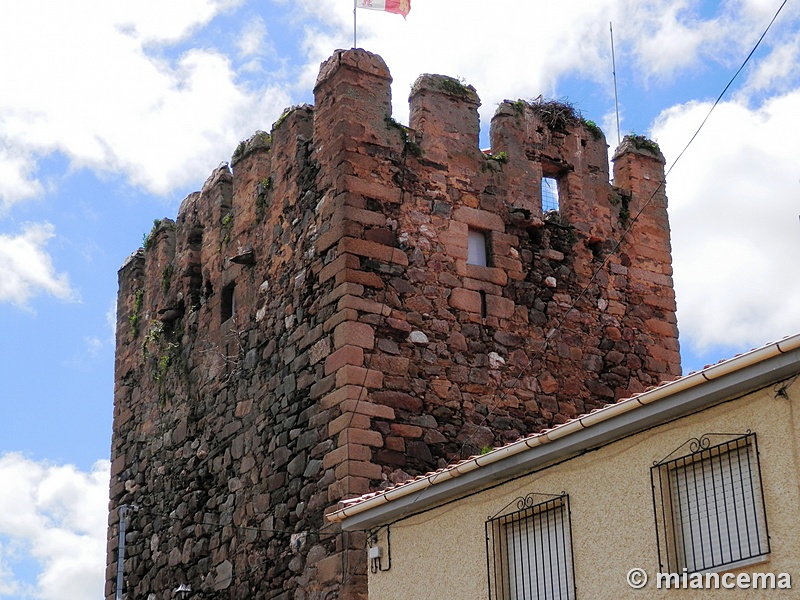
(441, 554)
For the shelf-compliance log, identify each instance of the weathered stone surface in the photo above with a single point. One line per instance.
(309, 328)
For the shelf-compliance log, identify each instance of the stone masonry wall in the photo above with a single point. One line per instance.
(310, 326)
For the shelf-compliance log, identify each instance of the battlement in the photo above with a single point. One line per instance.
(354, 302)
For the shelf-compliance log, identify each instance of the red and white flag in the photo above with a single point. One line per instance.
(400, 7)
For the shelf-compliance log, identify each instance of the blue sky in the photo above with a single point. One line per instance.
(112, 112)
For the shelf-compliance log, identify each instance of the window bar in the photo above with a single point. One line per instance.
(753, 501)
(708, 517)
(761, 490)
(655, 512)
(681, 515)
(512, 560)
(550, 551)
(699, 548)
(530, 572)
(735, 509)
(536, 555)
(725, 506)
(716, 504)
(568, 551)
(747, 524)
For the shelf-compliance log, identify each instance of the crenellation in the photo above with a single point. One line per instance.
(314, 326)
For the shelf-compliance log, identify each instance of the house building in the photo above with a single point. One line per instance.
(697, 480)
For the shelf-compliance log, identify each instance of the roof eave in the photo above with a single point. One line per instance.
(698, 391)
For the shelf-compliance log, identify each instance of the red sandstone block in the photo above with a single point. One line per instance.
(347, 488)
(504, 238)
(358, 468)
(354, 276)
(497, 306)
(346, 452)
(340, 290)
(359, 215)
(346, 261)
(340, 317)
(397, 444)
(490, 274)
(508, 264)
(398, 400)
(337, 232)
(371, 189)
(348, 421)
(481, 285)
(347, 392)
(353, 333)
(399, 324)
(372, 250)
(330, 569)
(668, 356)
(367, 408)
(466, 300)
(661, 328)
(407, 431)
(665, 302)
(363, 437)
(351, 375)
(390, 365)
(456, 238)
(645, 275)
(346, 355)
(479, 219)
(364, 305)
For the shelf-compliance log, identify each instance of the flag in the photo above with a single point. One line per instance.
(400, 7)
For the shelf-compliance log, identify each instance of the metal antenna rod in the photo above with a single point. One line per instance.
(123, 513)
(614, 73)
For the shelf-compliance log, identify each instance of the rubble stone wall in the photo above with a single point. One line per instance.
(310, 326)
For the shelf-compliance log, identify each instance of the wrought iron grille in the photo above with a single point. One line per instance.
(709, 505)
(529, 552)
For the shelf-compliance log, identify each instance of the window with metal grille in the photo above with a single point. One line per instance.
(549, 194)
(529, 552)
(710, 506)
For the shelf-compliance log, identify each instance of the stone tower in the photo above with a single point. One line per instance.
(357, 301)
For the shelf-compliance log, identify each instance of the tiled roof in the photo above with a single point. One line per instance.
(580, 422)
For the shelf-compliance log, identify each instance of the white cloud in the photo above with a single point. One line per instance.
(519, 49)
(55, 516)
(251, 39)
(734, 207)
(17, 181)
(110, 98)
(26, 268)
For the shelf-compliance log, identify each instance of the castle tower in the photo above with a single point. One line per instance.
(357, 302)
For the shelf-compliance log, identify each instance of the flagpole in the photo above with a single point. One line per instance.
(354, 25)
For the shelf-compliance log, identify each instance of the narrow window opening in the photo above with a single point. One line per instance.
(484, 312)
(228, 302)
(549, 194)
(476, 248)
